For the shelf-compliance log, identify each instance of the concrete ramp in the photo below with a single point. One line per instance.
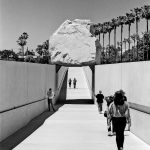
(77, 127)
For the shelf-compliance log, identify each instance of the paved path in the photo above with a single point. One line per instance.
(77, 127)
(82, 91)
(72, 127)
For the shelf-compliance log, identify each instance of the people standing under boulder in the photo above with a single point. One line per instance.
(74, 82)
(70, 81)
(50, 96)
(119, 112)
(100, 98)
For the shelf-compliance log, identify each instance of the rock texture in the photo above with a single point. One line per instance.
(73, 44)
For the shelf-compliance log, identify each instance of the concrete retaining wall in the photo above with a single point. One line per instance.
(88, 75)
(134, 79)
(22, 83)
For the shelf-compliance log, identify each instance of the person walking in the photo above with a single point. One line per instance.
(119, 112)
(100, 98)
(110, 128)
(50, 96)
(74, 82)
(70, 81)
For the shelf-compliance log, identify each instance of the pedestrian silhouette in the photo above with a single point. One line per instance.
(74, 82)
(70, 81)
(50, 96)
(100, 98)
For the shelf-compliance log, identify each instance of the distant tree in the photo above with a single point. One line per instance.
(137, 12)
(109, 28)
(22, 41)
(39, 49)
(29, 52)
(146, 13)
(46, 48)
(8, 55)
(115, 24)
(121, 22)
(129, 20)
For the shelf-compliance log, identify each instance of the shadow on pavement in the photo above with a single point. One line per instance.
(13, 140)
(78, 101)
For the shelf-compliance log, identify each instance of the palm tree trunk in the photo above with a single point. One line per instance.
(134, 43)
(99, 37)
(109, 44)
(121, 40)
(115, 37)
(137, 39)
(125, 46)
(103, 43)
(23, 52)
(129, 41)
(147, 24)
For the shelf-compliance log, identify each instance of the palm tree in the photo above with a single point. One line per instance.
(46, 48)
(114, 26)
(22, 41)
(121, 21)
(39, 49)
(129, 42)
(100, 27)
(129, 20)
(109, 29)
(137, 12)
(133, 37)
(104, 31)
(146, 13)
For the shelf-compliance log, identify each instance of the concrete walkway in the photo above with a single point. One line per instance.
(73, 127)
(77, 127)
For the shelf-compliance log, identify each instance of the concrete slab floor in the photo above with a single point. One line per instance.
(77, 127)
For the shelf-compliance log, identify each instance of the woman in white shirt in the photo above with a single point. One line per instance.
(119, 113)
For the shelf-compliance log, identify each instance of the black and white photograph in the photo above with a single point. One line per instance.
(74, 74)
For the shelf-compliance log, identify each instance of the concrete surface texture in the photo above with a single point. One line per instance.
(77, 127)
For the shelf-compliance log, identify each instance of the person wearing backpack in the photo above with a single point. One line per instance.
(119, 112)
(100, 98)
(109, 100)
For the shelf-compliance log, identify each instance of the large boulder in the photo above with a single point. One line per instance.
(73, 44)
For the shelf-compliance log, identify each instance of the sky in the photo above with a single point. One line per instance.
(40, 18)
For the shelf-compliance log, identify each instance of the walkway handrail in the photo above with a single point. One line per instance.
(16, 107)
(141, 108)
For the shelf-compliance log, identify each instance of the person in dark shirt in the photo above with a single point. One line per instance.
(74, 82)
(70, 82)
(100, 98)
